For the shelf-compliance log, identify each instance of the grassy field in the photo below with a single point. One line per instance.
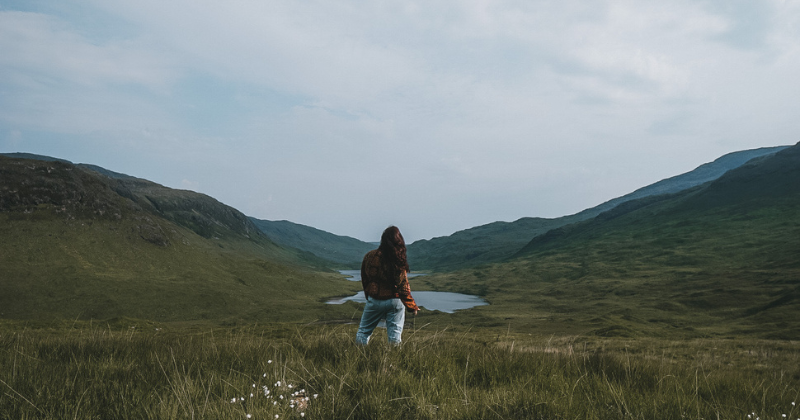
(649, 273)
(78, 245)
(675, 307)
(54, 269)
(142, 370)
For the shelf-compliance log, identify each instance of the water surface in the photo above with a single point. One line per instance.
(355, 275)
(433, 301)
(448, 302)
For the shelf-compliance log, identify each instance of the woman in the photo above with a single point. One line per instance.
(384, 276)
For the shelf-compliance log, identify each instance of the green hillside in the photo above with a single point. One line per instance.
(500, 240)
(479, 245)
(343, 250)
(80, 244)
(714, 260)
(721, 258)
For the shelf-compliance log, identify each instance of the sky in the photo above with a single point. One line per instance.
(435, 116)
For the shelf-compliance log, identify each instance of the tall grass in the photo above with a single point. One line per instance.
(90, 372)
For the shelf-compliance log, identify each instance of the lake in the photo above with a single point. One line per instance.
(355, 275)
(448, 302)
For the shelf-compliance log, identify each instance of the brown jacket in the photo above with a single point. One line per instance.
(379, 285)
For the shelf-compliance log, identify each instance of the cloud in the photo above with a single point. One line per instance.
(507, 109)
(56, 79)
(190, 185)
(42, 49)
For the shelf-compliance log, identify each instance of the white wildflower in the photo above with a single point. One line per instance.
(268, 362)
(315, 396)
(278, 383)
(251, 395)
(277, 416)
(233, 401)
(291, 386)
(302, 414)
(249, 416)
(281, 396)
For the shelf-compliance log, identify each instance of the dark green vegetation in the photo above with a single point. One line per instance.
(500, 240)
(78, 243)
(716, 260)
(343, 250)
(145, 371)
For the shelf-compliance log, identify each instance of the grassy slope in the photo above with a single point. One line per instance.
(74, 247)
(720, 259)
(154, 372)
(497, 241)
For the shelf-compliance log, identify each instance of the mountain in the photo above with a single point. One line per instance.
(767, 182)
(718, 259)
(343, 250)
(83, 242)
(701, 175)
(479, 245)
(200, 213)
(32, 156)
(500, 240)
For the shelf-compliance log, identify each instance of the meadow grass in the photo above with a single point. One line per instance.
(702, 275)
(160, 371)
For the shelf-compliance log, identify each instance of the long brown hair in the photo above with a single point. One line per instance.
(393, 251)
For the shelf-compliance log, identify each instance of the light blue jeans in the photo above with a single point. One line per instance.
(391, 310)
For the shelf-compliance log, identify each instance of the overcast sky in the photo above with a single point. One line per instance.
(436, 116)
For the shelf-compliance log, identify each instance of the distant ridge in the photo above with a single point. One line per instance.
(704, 173)
(98, 169)
(22, 155)
(203, 214)
(340, 249)
(499, 240)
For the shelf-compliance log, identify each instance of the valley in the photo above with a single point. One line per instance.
(121, 298)
(711, 253)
